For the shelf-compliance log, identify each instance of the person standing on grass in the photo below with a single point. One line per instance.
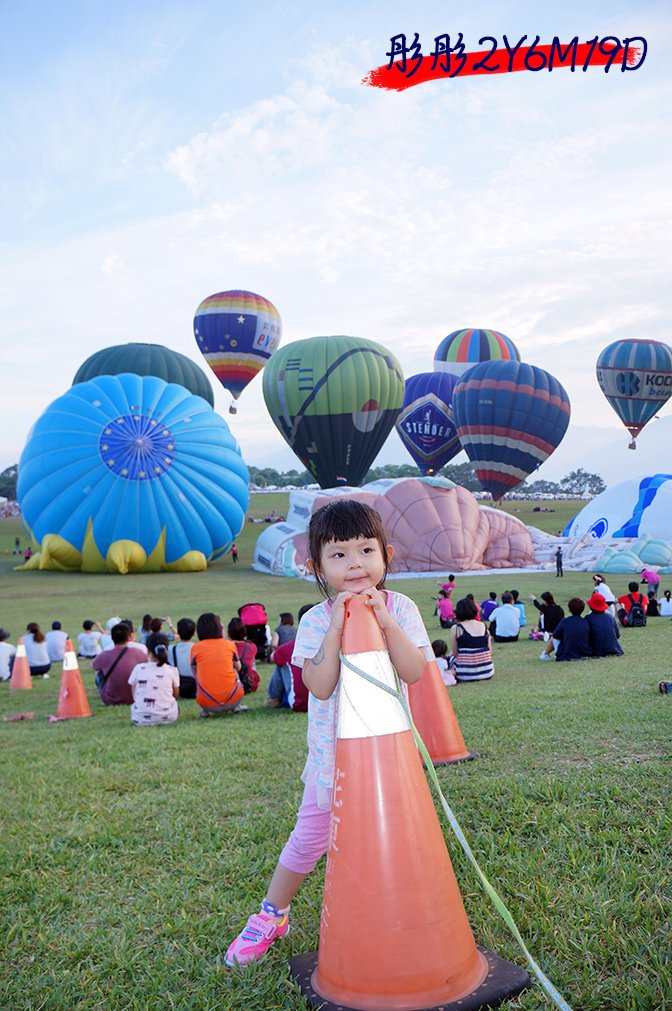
(652, 578)
(234, 553)
(558, 562)
(155, 686)
(349, 555)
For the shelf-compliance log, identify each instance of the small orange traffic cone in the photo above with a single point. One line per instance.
(435, 719)
(72, 700)
(20, 671)
(394, 935)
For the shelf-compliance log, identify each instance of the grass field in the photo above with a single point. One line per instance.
(131, 857)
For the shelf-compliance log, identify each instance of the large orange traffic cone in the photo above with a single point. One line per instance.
(435, 718)
(394, 934)
(72, 700)
(20, 671)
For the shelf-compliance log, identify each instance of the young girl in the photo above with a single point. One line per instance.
(440, 647)
(155, 686)
(348, 554)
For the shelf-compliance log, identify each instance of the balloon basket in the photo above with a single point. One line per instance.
(503, 981)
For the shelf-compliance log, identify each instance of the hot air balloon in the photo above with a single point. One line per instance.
(128, 473)
(462, 349)
(425, 422)
(509, 418)
(636, 378)
(335, 400)
(147, 360)
(237, 332)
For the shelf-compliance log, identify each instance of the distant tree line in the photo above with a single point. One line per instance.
(577, 482)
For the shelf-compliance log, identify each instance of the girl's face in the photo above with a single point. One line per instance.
(353, 565)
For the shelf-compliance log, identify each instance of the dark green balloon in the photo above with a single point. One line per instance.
(147, 360)
(335, 400)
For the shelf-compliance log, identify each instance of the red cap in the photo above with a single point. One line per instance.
(596, 602)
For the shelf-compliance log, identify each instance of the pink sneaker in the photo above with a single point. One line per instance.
(255, 939)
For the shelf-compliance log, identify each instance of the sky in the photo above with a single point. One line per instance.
(153, 154)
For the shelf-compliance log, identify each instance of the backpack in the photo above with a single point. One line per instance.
(636, 616)
(247, 676)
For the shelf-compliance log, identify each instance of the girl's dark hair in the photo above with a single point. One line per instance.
(35, 631)
(236, 630)
(158, 645)
(146, 618)
(576, 606)
(286, 618)
(209, 626)
(155, 625)
(87, 625)
(344, 519)
(514, 594)
(465, 609)
(129, 622)
(548, 597)
(440, 647)
(186, 628)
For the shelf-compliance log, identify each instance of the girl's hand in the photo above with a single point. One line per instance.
(532, 596)
(376, 601)
(338, 611)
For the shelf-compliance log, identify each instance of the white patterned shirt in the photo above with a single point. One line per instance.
(321, 736)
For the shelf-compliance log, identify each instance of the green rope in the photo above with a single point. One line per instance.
(544, 981)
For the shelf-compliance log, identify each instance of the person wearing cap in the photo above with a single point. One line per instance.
(601, 587)
(106, 638)
(604, 633)
(7, 654)
(56, 639)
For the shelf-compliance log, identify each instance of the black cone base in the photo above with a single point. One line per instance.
(504, 980)
(469, 757)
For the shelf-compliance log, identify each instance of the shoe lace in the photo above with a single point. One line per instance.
(257, 927)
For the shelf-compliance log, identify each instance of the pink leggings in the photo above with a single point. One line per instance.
(310, 838)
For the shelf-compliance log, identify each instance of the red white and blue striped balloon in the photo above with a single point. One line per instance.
(509, 417)
(636, 378)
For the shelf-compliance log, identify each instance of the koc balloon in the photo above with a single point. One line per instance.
(237, 332)
(636, 378)
(509, 418)
(463, 349)
(335, 400)
(425, 423)
(128, 473)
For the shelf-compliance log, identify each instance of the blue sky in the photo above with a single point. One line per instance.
(153, 154)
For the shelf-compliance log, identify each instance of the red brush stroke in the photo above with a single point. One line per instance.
(392, 79)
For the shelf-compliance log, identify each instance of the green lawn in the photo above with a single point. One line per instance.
(131, 857)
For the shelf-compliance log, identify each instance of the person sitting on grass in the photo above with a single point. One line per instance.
(90, 640)
(56, 639)
(652, 605)
(113, 667)
(215, 663)
(285, 632)
(520, 607)
(179, 655)
(156, 628)
(247, 654)
(489, 605)
(36, 650)
(440, 647)
(132, 641)
(665, 605)
(604, 633)
(444, 609)
(571, 637)
(551, 613)
(155, 686)
(280, 691)
(470, 644)
(7, 654)
(628, 600)
(505, 621)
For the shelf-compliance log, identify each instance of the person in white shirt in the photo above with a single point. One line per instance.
(89, 640)
(7, 653)
(604, 591)
(505, 621)
(106, 641)
(36, 650)
(55, 640)
(665, 605)
(155, 686)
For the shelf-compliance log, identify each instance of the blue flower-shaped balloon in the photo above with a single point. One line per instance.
(128, 473)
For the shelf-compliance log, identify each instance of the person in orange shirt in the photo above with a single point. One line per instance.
(215, 663)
